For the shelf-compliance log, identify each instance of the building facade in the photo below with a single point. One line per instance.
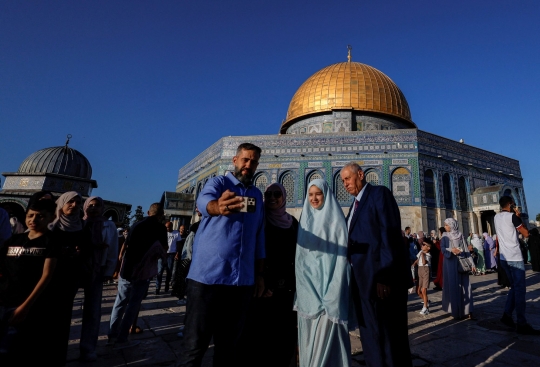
(56, 169)
(353, 112)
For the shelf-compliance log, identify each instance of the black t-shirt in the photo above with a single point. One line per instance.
(141, 237)
(21, 266)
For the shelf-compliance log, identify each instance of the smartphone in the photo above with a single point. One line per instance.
(249, 204)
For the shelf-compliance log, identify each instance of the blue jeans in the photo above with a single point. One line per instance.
(515, 270)
(91, 315)
(162, 267)
(126, 307)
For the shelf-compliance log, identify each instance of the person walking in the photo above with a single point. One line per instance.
(489, 252)
(457, 297)
(479, 246)
(173, 237)
(145, 243)
(507, 224)
(380, 270)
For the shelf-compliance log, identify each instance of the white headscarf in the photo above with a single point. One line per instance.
(67, 223)
(454, 233)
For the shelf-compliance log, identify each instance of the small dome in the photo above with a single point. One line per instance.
(348, 85)
(59, 160)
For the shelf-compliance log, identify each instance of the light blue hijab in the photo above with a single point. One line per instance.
(322, 271)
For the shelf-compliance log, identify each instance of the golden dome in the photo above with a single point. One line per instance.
(348, 85)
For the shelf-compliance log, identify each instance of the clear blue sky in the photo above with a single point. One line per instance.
(144, 86)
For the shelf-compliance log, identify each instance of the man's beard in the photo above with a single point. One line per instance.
(245, 179)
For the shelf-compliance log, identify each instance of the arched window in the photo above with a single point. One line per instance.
(462, 188)
(447, 191)
(339, 190)
(429, 187)
(287, 181)
(373, 178)
(261, 182)
(401, 185)
(314, 176)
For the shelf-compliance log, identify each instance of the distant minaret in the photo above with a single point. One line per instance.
(349, 49)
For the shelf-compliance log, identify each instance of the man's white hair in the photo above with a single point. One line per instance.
(353, 167)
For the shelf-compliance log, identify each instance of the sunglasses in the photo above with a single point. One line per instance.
(276, 194)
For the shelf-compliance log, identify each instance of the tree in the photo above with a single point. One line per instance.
(126, 221)
(139, 215)
(538, 217)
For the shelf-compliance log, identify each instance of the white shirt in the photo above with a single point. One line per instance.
(428, 259)
(505, 226)
(358, 197)
(172, 238)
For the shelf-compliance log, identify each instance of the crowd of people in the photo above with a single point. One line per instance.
(267, 288)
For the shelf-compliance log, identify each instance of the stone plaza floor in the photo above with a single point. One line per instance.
(436, 339)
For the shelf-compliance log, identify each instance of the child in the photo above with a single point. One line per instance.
(27, 262)
(424, 262)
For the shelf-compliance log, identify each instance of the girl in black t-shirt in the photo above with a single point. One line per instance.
(27, 262)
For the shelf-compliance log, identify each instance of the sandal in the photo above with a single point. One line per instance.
(137, 330)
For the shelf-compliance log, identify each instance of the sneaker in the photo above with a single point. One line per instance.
(181, 302)
(89, 357)
(180, 334)
(527, 330)
(508, 321)
(126, 344)
(425, 311)
(428, 303)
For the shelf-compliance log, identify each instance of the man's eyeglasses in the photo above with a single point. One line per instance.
(269, 194)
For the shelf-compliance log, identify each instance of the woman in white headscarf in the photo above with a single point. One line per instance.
(479, 246)
(457, 296)
(322, 299)
(74, 243)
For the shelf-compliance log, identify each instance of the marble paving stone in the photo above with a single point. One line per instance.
(150, 352)
(440, 350)
(494, 356)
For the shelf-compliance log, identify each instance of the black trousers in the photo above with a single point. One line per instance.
(383, 328)
(213, 311)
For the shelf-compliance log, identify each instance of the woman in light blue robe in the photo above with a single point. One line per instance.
(322, 302)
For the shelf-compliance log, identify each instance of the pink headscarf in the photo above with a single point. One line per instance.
(67, 223)
(279, 217)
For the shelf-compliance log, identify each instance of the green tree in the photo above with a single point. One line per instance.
(126, 221)
(139, 215)
(538, 217)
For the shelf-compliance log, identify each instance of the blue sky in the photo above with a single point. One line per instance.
(144, 86)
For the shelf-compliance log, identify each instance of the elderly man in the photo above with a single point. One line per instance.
(380, 270)
(227, 262)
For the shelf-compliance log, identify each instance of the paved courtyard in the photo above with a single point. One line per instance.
(436, 339)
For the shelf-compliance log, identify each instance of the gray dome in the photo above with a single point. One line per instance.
(59, 160)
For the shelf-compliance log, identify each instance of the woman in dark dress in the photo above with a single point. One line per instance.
(534, 248)
(74, 263)
(269, 337)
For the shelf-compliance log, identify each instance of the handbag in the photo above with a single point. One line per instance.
(464, 265)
